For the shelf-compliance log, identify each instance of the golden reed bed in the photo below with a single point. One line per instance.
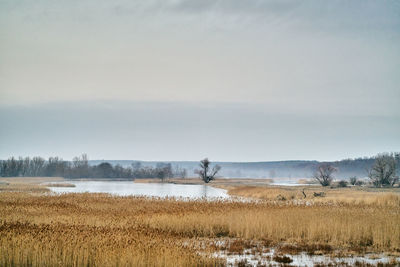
(97, 229)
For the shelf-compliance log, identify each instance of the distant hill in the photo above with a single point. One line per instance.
(269, 169)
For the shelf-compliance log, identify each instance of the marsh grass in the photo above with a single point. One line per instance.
(26, 184)
(22, 187)
(373, 196)
(86, 230)
(104, 230)
(59, 185)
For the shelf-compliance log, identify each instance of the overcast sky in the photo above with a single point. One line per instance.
(232, 80)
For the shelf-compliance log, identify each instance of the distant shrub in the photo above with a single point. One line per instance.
(282, 259)
(359, 182)
(324, 174)
(243, 263)
(220, 230)
(342, 183)
(319, 194)
(280, 197)
(383, 171)
(353, 180)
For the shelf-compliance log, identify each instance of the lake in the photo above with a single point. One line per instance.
(129, 188)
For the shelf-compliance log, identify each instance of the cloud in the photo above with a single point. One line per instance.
(331, 15)
(250, 7)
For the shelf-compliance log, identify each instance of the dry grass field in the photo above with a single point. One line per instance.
(59, 185)
(38, 229)
(27, 184)
(89, 229)
(352, 195)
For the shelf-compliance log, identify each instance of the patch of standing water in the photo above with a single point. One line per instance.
(302, 259)
(129, 188)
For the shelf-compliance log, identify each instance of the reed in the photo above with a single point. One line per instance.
(102, 230)
(361, 195)
(59, 185)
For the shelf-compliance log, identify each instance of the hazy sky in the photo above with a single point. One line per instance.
(232, 80)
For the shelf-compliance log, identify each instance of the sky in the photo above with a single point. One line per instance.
(231, 80)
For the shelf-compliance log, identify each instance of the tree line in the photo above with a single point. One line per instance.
(79, 167)
(382, 173)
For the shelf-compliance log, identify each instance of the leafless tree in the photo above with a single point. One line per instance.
(55, 167)
(324, 174)
(353, 180)
(81, 166)
(163, 171)
(383, 172)
(206, 173)
(37, 166)
(180, 172)
(25, 166)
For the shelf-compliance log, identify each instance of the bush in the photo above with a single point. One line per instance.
(353, 180)
(359, 183)
(324, 174)
(282, 259)
(383, 172)
(342, 183)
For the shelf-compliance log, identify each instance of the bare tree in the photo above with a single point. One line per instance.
(81, 166)
(55, 167)
(104, 170)
(206, 173)
(353, 180)
(37, 166)
(11, 167)
(163, 171)
(180, 172)
(383, 172)
(25, 166)
(324, 174)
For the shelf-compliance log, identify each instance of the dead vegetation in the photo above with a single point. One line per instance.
(87, 230)
(59, 185)
(282, 259)
(26, 184)
(21, 187)
(97, 229)
(312, 194)
(310, 249)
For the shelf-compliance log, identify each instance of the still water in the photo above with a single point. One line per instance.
(129, 188)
